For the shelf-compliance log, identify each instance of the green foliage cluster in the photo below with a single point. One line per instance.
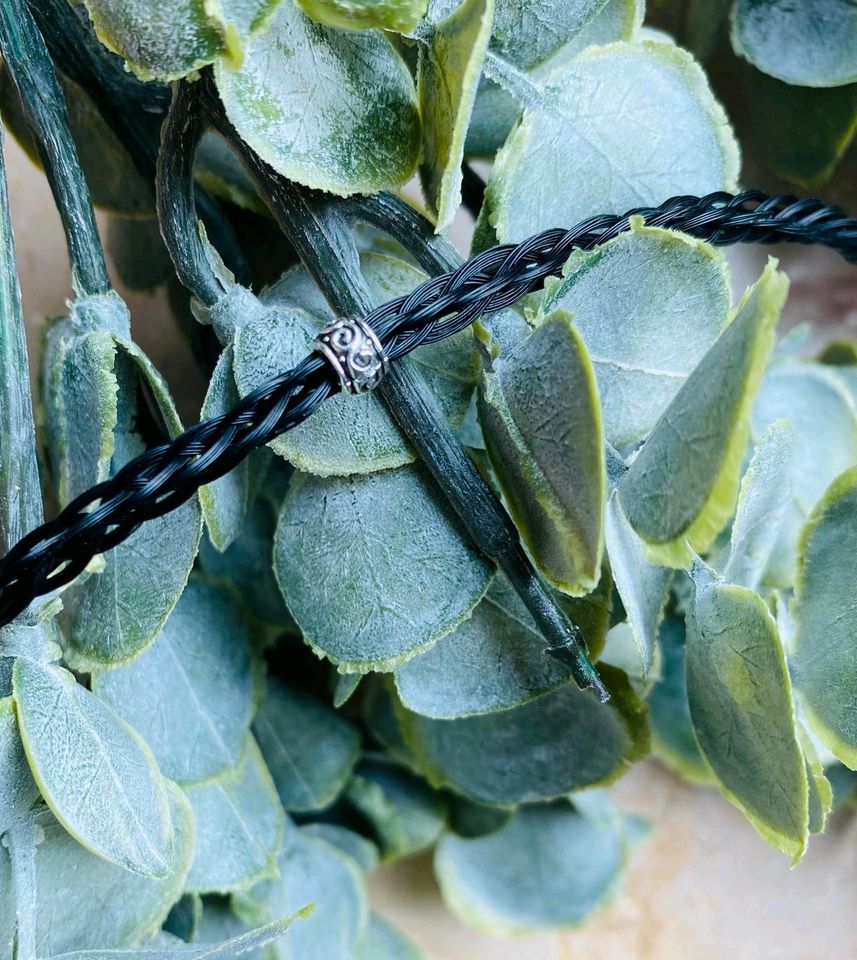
(211, 737)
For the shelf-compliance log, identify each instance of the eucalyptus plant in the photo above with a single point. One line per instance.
(336, 655)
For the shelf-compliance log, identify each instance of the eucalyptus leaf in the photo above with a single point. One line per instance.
(190, 694)
(384, 942)
(673, 737)
(239, 826)
(354, 845)
(472, 756)
(702, 435)
(765, 493)
(820, 790)
(131, 908)
(450, 64)
(541, 420)
(823, 663)
(169, 39)
(641, 585)
(18, 790)
(740, 699)
(224, 502)
(357, 132)
(398, 15)
(815, 402)
(373, 617)
(311, 871)
(404, 816)
(648, 305)
(549, 867)
(667, 136)
(348, 434)
(309, 749)
(808, 45)
(95, 772)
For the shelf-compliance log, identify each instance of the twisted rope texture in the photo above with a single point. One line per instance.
(166, 476)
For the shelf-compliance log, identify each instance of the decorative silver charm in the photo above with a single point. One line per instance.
(355, 353)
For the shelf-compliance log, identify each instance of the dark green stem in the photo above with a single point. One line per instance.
(316, 225)
(20, 491)
(32, 72)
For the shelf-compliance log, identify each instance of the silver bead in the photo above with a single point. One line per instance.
(354, 352)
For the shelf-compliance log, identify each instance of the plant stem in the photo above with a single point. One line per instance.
(20, 491)
(21, 840)
(32, 72)
(318, 230)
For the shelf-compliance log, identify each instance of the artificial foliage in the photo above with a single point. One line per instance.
(315, 667)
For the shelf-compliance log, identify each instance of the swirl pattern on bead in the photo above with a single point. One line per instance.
(355, 352)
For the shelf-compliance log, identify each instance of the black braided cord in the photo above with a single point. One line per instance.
(167, 475)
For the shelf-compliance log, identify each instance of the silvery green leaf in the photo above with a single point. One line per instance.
(497, 659)
(516, 756)
(470, 819)
(18, 790)
(823, 663)
(403, 814)
(384, 942)
(348, 434)
(131, 908)
(95, 772)
(361, 850)
(673, 739)
(239, 826)
(190, 694)
(357, 132)
(541, 420)
(185, 917)
(234, 947)
(247, 564)
(807, 45)
(765, 493)
(549, 867)
(450, 64)
(378, 712)
(740, 699)
(308, 747)
(702, 435)
(169, 39)
(372, 617)
(641, 585)
(820, 791)
(814, 401)
(345, 686)
(648, 305)
(397, 15)
(668, 136)
(113, 616)
(311, 871)
(224, 502)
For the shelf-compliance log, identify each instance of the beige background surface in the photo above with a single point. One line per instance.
(703, 886)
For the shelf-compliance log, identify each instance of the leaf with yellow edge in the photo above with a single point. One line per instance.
(824, 662)
(682, 487)
(542, 425)
(741, 704)
(397, 15)
(449, 69)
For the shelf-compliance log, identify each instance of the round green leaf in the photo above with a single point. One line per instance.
(370, 616)
(548, 867)
(239, 826)
(740, 699)
(519, 756)
(648, 305)
(131, 908)
(190, 694)
(805, 44)
(18, 790)
(566, 160)
(681, 488)
(171, 38)
(309, 748)
(541, 420)
(333, 109)
(95, 773)
(348, 434)
(384, 942)
(824, 662)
